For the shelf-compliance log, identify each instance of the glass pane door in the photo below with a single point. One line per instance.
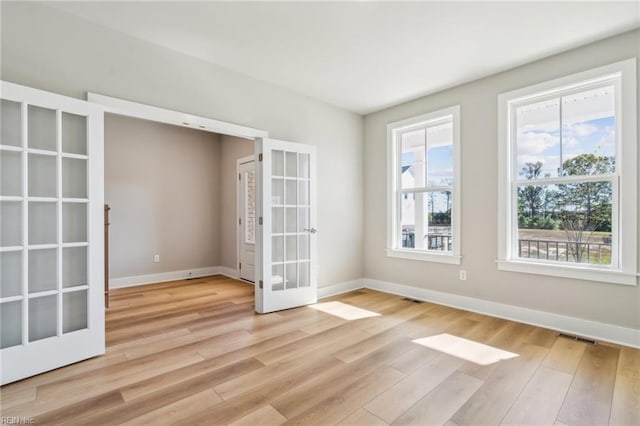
(45, 250)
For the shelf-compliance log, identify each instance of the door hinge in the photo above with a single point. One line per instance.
(260, 220)
(240, 265)
(239, 221)
(239, 176)
(260, 157)
(260, 284)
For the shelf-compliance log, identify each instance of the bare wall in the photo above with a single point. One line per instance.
(88, 57)
(607, 303)
(163, 184)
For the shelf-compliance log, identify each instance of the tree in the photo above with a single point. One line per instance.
(531, 196)
(586, 206)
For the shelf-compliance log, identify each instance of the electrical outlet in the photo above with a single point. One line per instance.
(156, 258)
(463, 275)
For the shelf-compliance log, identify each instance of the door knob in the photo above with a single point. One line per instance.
(311, 230)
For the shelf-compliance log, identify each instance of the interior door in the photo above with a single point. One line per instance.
(286, 225)
(51, 241)
(247, 220)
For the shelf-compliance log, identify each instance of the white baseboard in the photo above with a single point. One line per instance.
(335, 289)
(229, 272)
(164, 276)
(577, 326)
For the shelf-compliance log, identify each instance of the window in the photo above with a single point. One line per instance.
(567, 180)
(423, 193)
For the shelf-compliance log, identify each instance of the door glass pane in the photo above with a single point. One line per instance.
(277, 191)
(292, 164)
(74, 311)
(277, 249)
(303, 166)
(303, 219)
(11, 123)
(303, 247)
(291, 195)
(292, 275)
(42, 317)
(250, 207)
(277, 163)
(292, 248)
(42, 128)
(11, 325)
(11, 173)
(74, 134)
(304, 274)
(11, 273)
(440, 155)
(303, 193)
(42, 175)
(74, 178)
(413, 159)
(43, 267)
(74, 266)
(291, 219)
(277, 226)
(277, 277)
(42, 223)
(74, 222)
(11, 226)
(588, 132)
(538, 140)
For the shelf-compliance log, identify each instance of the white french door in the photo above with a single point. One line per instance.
(286, 200)
(247, 219)
(51, 240)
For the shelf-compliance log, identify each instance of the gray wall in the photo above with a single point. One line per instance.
(51, 50)
(608, 303)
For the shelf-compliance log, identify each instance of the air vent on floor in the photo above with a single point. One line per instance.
(412, 300)
(577, 338)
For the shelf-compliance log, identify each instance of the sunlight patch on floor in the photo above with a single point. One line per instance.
(469, 350)
(344, 311)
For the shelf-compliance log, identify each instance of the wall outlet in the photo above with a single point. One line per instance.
(156, 258)
(463, 275)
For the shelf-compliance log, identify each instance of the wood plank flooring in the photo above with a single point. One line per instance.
(194, 352)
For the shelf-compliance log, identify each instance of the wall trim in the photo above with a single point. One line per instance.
(582, 327)
(339, 288)
(165, 276)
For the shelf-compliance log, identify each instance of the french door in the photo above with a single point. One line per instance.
(286, 200)
(247, 219)
(51, 240)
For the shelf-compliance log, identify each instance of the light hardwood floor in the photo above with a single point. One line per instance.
(194, 352)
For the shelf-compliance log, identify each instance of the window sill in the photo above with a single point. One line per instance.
(425, 256)
(567, 271)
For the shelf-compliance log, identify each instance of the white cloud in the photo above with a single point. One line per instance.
(535, 143)
(582, 129)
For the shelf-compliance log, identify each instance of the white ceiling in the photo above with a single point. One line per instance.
(364, 56)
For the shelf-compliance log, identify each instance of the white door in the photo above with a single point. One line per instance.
(51, 241)
(286, 225)
(247, 219)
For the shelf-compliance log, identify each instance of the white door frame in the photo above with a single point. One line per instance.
(239, 201)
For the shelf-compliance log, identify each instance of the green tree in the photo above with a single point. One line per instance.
(585, 206)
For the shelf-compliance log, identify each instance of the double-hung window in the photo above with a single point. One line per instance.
(423, 179)
(568, 176)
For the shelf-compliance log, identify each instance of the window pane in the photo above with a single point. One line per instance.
(588, 132)
(565, 222)
(425, 221)
(412, 159)
(538, 140)
(440, 155)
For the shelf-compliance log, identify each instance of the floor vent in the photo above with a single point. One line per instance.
(577, 338)
(412, 300)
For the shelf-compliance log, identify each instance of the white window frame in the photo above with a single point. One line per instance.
(394, 191)
(623, 268)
